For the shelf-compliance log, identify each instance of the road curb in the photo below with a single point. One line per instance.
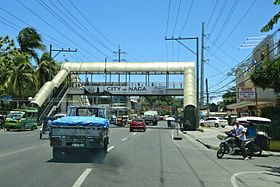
(207, 145)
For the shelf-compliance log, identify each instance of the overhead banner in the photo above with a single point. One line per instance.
(247, 94)
(127, 90)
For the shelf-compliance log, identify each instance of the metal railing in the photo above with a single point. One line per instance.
(171, 85)
(53, 100)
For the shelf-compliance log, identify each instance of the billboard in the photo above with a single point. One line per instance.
(127, 90)
(247, 93)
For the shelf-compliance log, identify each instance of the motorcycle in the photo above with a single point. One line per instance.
(229, 146)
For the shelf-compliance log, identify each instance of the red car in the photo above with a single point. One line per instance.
(138, 124)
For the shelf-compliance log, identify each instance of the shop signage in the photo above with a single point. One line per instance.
(247, 94)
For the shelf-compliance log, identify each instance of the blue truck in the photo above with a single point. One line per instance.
(84, 128)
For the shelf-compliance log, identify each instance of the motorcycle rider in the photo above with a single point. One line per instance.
(240, 138)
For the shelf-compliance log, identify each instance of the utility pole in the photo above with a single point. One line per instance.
(58, 52)
(202, 69)
(105, 71)
(119, 53)
(197, 61)
(207, 96)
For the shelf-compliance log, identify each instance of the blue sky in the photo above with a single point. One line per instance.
(140, 28)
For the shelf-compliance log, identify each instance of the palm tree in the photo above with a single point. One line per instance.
(43, 68)
(30, 40)
(21, 80)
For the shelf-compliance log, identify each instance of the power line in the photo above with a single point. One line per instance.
(166, 48)
(226, 21)
(167, 18)
(54, 28)
(50, 10)
(223, 79)
(219, 16)
(238, 23)
(257, 63)
(223, 51)
(80, 25)
(218, 58)
(214, 67)
(15, 27)
(94, 27)
(17, 18)
(178, 52)
(215, 75)
(212, 13)
(133, 58)
(188, 14)
(177, 16)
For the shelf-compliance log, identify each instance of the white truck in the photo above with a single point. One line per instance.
(84, 128)
(151, 117)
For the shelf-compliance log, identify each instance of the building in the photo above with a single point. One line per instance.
(250, 98)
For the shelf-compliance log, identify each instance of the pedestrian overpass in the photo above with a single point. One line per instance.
(68, 82)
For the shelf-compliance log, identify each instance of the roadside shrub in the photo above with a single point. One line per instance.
(273, 113)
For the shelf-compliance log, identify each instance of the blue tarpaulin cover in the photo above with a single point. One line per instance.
(81, 121)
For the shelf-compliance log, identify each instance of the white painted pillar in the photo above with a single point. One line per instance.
(189, 87)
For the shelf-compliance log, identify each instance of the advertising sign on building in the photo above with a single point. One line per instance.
(247, 94)
(127, 90)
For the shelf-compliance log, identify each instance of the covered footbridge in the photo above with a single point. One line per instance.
(51, 94)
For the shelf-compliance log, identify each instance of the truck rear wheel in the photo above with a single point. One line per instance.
(58, 154)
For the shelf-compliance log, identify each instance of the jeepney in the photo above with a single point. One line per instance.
(22, 119)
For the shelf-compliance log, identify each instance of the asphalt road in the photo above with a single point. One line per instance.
(150, 158)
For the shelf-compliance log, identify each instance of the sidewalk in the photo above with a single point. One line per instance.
(209, 139)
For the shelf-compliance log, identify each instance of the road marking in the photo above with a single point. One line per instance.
(110, 148)
(81, 179)
(21, 150)
(124, 139)
(234, 176)
(134, 133)
(172, 134)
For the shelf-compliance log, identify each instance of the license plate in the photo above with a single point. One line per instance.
(78, 144)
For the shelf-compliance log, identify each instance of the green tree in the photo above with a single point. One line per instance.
(272, 21)
(7, 47)
(43, 68)
(267, 75)
(21, 77)
(156, 102)
(229, 98)
(29, 41)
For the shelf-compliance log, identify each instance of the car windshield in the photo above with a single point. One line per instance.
(15, 116)
(144, 86)
(138, 120)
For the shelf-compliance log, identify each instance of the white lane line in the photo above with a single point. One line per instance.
(81, 179)
(124, 139)
(110, 148)
(21, 150)
(134, 133)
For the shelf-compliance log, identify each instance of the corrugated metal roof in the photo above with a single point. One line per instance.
(96, 67)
